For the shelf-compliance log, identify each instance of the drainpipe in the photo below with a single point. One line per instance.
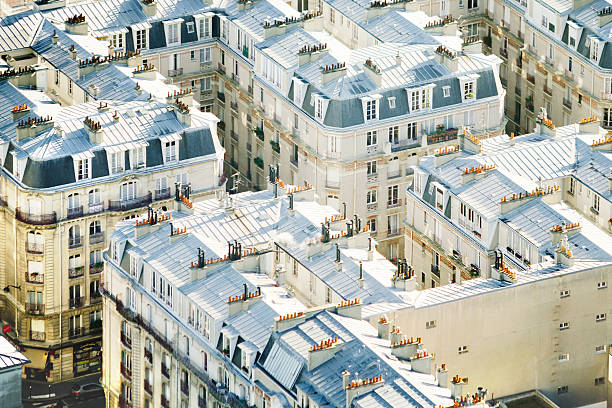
(61, 292)
(15, 265)
(355, 171)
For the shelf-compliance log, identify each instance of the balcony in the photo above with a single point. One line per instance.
(234, 106)
(96, 238)
(36, 219)
(372, 178)
(76, 332)
(126, 372)
(35, 277)
(567, 102)
(294, 161)
(547, 90)
(75, 242)
(164, 402)
(517, 90)
(221, 96)
(37, 336)
(165, 370)
(503, 52)
(162, 194)
(147, 387)
(275, 146)
(569, 74)
(125, 340)
(75, 212)
(175, 72)
(74, 302)
(259, 162)
(531, 78)
(394, 203)
(124, 403)
(371, 207)
(441, 135)
(549, 61)
(34, 308)
(96, 268)
(487, 40)
(185, 388)
(234, 135)
(95, 208)
(249, 147)
(148, 356)
(393, 232)
(235, 78)
(130, 204)
(221, 125)
(606, 95)
(76, 272)
(221, 68)
(95, 297)
(435, 269)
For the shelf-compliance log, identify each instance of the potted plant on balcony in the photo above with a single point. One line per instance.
(275, 146)
(259, 162)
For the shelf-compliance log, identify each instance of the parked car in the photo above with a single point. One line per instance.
(88, 390)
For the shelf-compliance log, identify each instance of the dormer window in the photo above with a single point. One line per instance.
(173, 31)
(392, 102)
(117, 41)
(203, 27)
(170, 152)
(83, 167)
(141, 40)
(320, 104)
(116, 162)
(446, 91)
(468, 90)
(371, 110)
(138, 157)
(596, 48)
(319, 109)
(420, 99)
(190, 27)
(572, 34)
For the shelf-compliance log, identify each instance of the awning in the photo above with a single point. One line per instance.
(37, 357)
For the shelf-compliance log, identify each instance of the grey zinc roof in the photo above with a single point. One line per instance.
(485, 194)
(252, 18)
(9, 356)
(282, 49)
(558, 6)
(359, 351)
(19, 30)
(395, 26)
(354, 10)
(534, 221)
(107, 16)
(481, 286)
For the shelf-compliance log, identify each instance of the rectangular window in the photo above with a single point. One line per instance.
(371, 196)
(563, 357)
(595, 50)
(190, 27)
(607, 118)
(371, 110)
(600, 317)
(141, 39)
(446, 91)
(600, 381)
(138, 157)
(173, 33)
(596, 202)
(562, 390)
(392, 102)
(372, 224)
(412, 130)
(332, 15)
(117, 162)
(170, 152)
(564, 326)
(192, 55)
(468, 90)
(430, 324)
(393, 133)
(565, 293)
(600, 349)
(462, 349)
(602, 285)
(128, 191)
(420, 99)
(371, 165)
(83, 169)
(371, 138)
(472, 4)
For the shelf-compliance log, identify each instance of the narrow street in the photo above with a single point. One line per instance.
(39, 394)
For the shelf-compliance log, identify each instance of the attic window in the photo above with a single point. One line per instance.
(595, 49)
(190, 27)
(392, 102)
(446, 91)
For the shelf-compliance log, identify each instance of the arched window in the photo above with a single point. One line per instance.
(35, 243)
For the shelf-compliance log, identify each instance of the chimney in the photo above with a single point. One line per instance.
(310, 53)
(383, 328)
(361, 387)
(457, 386)
(237, 304)
(442, 376)
(511, 141)
(332, 72)
(289, 321)
(76, 25)
(405, 349)
(19, 111)
(398, 59)
(445, 154)
(323, 352)
(421, 362)
(448, 58)
(54, 38)
(589, 125)
(149, 7)
(33, 127)
(467, 141)
(111, 49)
(94, 130)
(350, 308)
(338, 260)
(72, 52)
(244, 4)
(360, 280)
(604, 16)
(370, 249)
(373, 72)
(396, 335)
(346, 379)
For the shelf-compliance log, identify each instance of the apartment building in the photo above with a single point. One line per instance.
(199, 294)
(273, 74)
(473, 202)
(68, 175)
(11, 363)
